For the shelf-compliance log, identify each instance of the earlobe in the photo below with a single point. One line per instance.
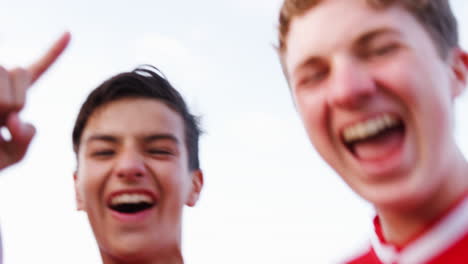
(460, 71)
(79, 202)
(196, 187)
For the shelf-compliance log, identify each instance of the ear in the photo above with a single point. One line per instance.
(79, 201)
(196, 187)
(460, 71)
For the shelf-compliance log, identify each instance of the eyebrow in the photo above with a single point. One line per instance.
(146, 139)
(158, 137)
(361, 41)
(373, 34)
(106, 138)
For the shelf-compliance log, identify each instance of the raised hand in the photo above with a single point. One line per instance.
(13, 87)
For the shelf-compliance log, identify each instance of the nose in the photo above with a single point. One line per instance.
(352, 84)
(130, 166)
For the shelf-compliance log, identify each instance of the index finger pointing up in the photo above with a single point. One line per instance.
(40, 66)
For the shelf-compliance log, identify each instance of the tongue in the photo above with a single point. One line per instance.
(379, 147)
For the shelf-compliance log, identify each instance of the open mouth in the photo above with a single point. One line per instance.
(374, 138)
(131, 203)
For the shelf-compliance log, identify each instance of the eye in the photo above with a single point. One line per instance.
(103, 153)
(313, 77)
(155, 151)
(383, 50)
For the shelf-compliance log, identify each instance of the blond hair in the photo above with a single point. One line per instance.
(434, 15)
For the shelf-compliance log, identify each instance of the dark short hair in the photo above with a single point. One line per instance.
(143, 82)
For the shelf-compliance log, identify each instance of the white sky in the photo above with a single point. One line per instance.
(268, 197)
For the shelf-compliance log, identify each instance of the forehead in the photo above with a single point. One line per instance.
(334, 24)
(136, 117)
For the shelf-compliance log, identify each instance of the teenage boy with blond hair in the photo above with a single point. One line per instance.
(375, 84)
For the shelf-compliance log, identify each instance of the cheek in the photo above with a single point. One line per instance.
(312, 109)
(426, 96)
(91, 178)
(396, 77)
(414, 81)
(172, 179)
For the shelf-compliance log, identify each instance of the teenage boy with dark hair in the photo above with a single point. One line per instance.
(137, 153)
(375, 82)
(13, 88)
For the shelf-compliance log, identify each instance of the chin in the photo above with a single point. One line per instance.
(126, 253)
(398, 197)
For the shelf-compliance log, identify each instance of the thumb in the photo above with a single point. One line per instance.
(21, 136)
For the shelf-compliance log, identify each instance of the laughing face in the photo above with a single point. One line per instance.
(376, 99)
(133, 179)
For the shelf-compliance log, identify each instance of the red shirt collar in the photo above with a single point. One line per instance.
(379, 232)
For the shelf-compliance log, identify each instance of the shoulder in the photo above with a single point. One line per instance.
(455, 253)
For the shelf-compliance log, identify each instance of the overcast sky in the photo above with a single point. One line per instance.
(268, 197)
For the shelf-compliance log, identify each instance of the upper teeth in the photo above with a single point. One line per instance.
(369, 128)
(131, 198)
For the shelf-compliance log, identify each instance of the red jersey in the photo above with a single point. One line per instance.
(443, 242)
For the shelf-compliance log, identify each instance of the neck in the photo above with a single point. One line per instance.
(400, 226)
(173, 257)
